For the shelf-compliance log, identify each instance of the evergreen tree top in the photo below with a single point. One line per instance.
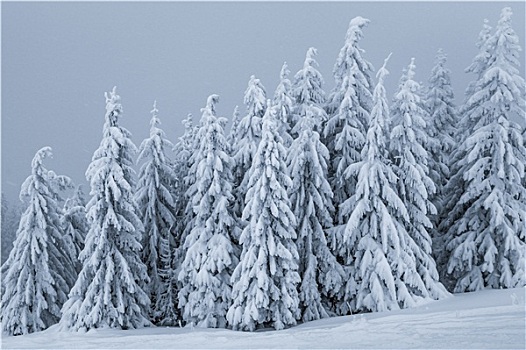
(255, 97)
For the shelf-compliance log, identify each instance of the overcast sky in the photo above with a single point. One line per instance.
(58, 59)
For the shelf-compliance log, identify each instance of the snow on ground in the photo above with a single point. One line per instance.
(491, 319)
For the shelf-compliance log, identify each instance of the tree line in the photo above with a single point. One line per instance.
(313, 205)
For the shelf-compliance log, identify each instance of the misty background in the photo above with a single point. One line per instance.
(58, 59)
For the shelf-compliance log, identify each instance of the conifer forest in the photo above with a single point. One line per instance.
(303, 204)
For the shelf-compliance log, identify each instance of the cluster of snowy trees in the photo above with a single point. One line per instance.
(314, 204)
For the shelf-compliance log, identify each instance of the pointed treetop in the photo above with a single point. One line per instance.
(113, 106)
(211, 102)
(505, 15)
(284, 73)
(43, 153)
(310, 60)
(411, 69)
(188, 122)
(383, 72)
(441, 57)
(155, 121)
(354, 33)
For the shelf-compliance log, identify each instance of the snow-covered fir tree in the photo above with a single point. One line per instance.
(308, 93)
(109, 291)
(408, 143)
(39, 272)
(485, 229)
(265, 280)
(249, 136)
(157, 209)
(348, 108)
(440, 127)
(75, 225)
(211, 255)
(284, 104)
(311, 202)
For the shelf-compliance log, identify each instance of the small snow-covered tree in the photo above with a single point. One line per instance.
(408, 143)
(485, 228)
(348, 107)
(75, 225)
(307, 92)
(311, 202)
(440, 127)
(39, 272)
(157, 207)
(210, 254)
(265, 280)
(109, 291)
(284, 104)
(249, 136)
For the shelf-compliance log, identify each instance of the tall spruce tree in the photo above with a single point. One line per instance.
(311, 202)
(440, 127)
(157, 209)
(210, 253)
(265, 280)
(348, 107)
(484, 231)
(308, 93)
(109, 291)
(39, 272)
(249, 136)
(408, 143)
(284, 104)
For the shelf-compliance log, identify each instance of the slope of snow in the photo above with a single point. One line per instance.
(492, 319)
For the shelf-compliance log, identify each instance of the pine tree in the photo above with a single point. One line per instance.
(210, 254)
(39, 272)
(109, 292)
(440, 128)
(484, 231)
(308, 93)
(348, 108)
(157, 207)
(284, 104)
(311, 199)
(75, 225)
(408, 143)
(249, 136)
(265, 280)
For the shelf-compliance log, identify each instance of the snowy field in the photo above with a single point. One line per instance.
(489, 319)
